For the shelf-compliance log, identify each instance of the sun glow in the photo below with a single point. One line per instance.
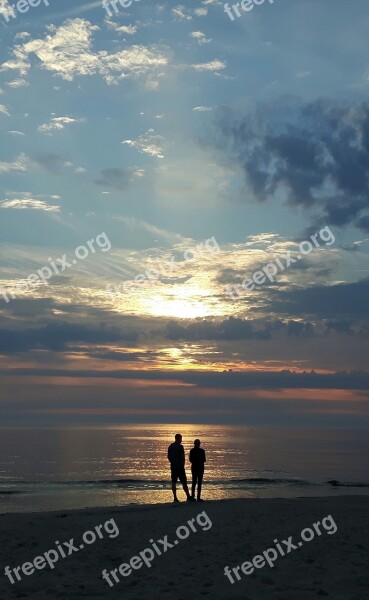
(189, 301)
(179, 308)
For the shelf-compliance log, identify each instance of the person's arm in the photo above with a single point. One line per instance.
(204, 457)
(169, 453)
(190, 456)
(183, 456)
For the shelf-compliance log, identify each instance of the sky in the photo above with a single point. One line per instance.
(184, 216)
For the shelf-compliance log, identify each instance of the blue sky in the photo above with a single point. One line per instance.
(164, 126)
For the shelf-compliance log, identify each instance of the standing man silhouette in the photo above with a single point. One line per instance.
(197, 460)
(176, 457)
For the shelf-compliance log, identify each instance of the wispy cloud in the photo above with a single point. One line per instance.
(16, 83)
(202, 108)
(57, 123)
(25, 200)
(179, 12)
(4, 110)
(148, 144)
(21, 163)
(128, 29)
(213, 65)
(201, 12)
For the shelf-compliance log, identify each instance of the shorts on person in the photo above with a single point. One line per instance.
(178, 472)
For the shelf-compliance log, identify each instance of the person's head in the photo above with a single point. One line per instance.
(178, 438)
(197, 443)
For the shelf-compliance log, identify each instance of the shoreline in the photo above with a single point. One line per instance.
(157, 505)
(19, 502)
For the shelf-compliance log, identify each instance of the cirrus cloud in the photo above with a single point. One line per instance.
(24, 200)
(148, 144)
(57, 123)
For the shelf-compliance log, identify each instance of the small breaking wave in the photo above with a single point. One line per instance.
(336, 483)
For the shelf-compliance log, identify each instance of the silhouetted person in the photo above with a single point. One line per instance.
(176, 457)
(197, 460)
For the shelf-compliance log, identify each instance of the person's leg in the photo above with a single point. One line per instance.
(200, 476)
(194, 478)
(174, 485)
(174, 490)
(183, 480)
(185, 487)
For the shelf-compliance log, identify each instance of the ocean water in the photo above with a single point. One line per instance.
(56, 469)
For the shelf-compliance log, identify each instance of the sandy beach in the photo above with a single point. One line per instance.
(228, 533)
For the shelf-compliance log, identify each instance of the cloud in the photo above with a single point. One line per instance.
(302, 74)
(314, 155)
(213, 65)
(148, 143)
(363, 223)
(16, 132)
(201, 12)
(23, 35)
(179, 12)
(202, 108)
(119, 178)
(128, 29)
(200, 37)
(24, 200)
(57, 123)
(20, 164)
(19, 62)
(233, 329)
(152, 84)
(4, 110)
(55, 164)
(67, 51)
(280, 380)
(240, 261)
(5, 9)
(17, 83)
(120, 356)
(341, 300)
(355, 246)
(250, 380)
(58, 336)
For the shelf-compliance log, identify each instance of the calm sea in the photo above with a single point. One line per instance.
(56, 469)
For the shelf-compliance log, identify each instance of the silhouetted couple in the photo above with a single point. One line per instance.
(176, 457)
